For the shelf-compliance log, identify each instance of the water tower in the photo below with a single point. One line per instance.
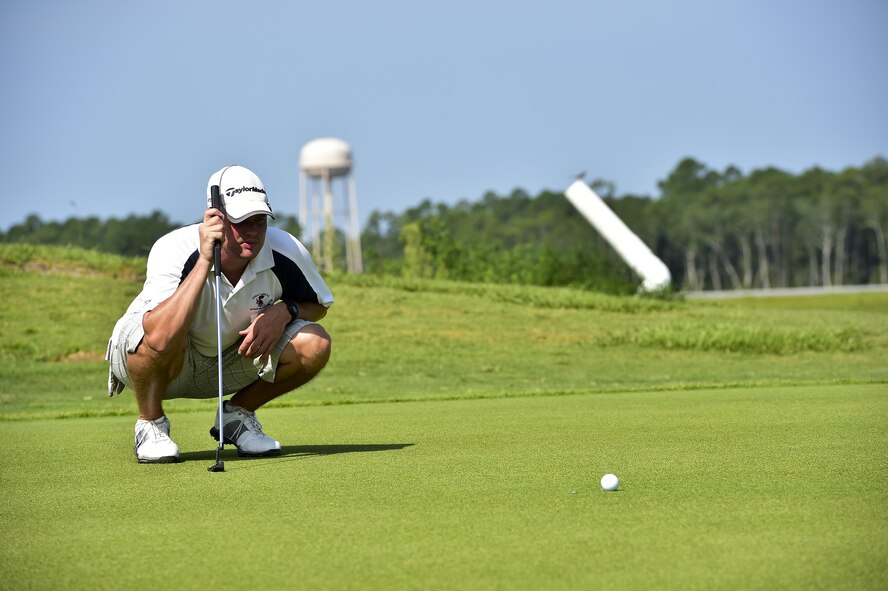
(327, 191)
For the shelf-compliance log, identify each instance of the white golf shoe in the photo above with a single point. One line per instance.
(153, 443)
(243, 430)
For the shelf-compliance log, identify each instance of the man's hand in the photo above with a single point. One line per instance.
(264, 333)
(210, 230)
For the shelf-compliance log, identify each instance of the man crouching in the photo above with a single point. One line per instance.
(165, 345)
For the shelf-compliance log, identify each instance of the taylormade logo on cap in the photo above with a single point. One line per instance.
(232, 191)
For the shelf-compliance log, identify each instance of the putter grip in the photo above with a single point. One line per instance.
(216, 203)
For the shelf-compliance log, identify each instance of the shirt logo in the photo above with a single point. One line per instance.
(261, 301)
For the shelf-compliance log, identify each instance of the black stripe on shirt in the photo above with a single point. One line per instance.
(295, 287)
(189, 265)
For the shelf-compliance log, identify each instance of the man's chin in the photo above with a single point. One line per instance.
(249, 251)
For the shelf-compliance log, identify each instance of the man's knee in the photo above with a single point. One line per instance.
(310, 347)
(148, 360)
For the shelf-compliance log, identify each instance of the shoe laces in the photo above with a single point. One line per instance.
(154, 431)
(252, 423)
(249, 422)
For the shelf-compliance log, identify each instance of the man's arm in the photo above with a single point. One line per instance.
(166, 326)
(311, 310)
(263, 334)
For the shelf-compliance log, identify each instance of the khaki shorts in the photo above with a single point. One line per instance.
(199, 377)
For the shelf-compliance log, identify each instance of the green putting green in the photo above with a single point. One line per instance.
(731, 488)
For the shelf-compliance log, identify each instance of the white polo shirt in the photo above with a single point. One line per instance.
(283, 270)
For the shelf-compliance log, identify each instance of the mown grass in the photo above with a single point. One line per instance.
(748, 488)
(750, 442)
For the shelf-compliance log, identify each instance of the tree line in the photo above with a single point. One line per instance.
(714, 230)
(516, 238)
(774, 229)
(130, 236)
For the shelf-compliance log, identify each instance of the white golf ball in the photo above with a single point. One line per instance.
(610, 482)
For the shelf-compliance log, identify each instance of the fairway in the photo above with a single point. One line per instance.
(754, 488)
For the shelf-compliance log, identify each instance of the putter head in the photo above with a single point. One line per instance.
(219, 466)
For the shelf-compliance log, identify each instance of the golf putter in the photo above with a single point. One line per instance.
(216, 202)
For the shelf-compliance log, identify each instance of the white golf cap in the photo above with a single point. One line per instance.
(243, 194)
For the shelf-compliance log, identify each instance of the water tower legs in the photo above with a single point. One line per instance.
(353, 236)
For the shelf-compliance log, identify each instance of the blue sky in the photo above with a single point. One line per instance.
(111, 108)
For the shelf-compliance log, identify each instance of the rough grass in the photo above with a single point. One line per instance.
(69, 261)
(399, 340)
(527, 295)
(875, 303)
(732, 338)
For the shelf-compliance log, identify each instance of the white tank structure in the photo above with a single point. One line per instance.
(327, 191)
(654, 273)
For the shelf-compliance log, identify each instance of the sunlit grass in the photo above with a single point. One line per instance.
(456, 439)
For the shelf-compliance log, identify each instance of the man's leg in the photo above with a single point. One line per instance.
(151, 372)
(302, 359)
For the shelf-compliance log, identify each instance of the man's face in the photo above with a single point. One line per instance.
(245, 239)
